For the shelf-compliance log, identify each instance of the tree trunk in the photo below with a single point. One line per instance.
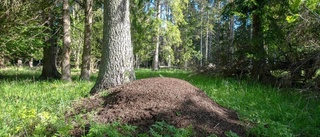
(2, 60)
(77, 42)
(117, 64)
(86, 55)
(258, 63)
(201, 38)
(50, 50)
(155, 62)
(207, 40)
(210, 45)
(49, 68)
(137, 61)
(231, 38)
(31, 62)
(218, 33)
(77, 55)
(65, 64)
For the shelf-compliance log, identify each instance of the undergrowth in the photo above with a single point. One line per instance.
(159, 129)
(30, 107)
(36, 108)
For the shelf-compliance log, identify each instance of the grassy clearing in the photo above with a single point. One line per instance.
(29, 107)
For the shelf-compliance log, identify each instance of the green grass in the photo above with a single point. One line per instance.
(26, 103)
(30, 107)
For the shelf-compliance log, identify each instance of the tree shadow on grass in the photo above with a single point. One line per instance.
(31, 74)
(19, 77)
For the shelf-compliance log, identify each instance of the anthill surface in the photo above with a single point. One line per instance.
(177, 102)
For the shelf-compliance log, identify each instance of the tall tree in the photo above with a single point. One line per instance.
(259, 62)
(86, 55)
(155, 63)
(65, 64)
(50, 49)
(117, 53)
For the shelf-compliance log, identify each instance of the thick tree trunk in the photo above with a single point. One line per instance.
(117, 66)
(86, 55)
(65, 64)
(49, 61)
(49, 68)
(155, 62)
(258, 64)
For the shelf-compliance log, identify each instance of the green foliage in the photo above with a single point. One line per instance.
(22, 29)
(115, 129)
(293, 18)
(294, 5)
(30, 107)
(231, 134)
(162, 129)
(146, 27)
(177, 7)
(142, 30)
(97, 34)
(159, 129)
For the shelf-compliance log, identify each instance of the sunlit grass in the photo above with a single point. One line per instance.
(23, 99)
(28, 105)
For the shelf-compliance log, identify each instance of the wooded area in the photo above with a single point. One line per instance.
(239, 52)
(272, 41)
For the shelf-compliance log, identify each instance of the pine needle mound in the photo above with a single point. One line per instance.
(177, 102)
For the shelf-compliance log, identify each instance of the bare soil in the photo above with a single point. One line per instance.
(146, 101)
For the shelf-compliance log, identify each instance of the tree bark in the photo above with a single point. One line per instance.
(1, 60)
(201, 37)
(155, 62)
(49, 68)
(50, 50)
(117, 66)
(86, 55)
(258, 64)
(231, 38)
(207, 40)
(77, 54)
(65, 64)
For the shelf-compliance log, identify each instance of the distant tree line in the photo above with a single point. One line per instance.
(272, 41)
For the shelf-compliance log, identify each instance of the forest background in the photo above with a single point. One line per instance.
(276, 42)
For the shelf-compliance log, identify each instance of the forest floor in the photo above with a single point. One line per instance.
(144, 102)
(30, 107)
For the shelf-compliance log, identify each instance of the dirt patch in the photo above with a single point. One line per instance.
(177, 102)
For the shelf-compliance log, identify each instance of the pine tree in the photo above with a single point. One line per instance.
(117, 53)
